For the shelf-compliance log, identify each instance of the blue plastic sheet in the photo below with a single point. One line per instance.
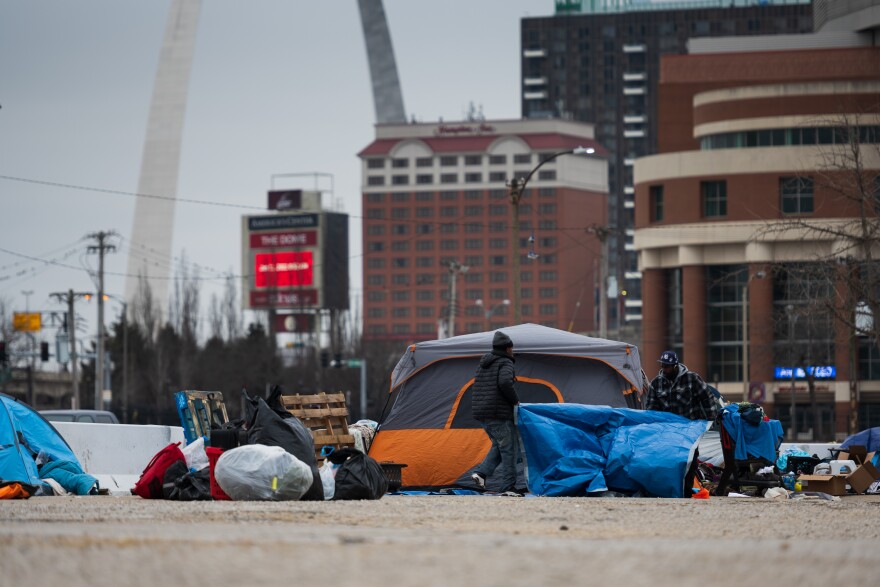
(761, 441)
(575, 449)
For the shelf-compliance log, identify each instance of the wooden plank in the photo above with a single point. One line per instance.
(321, 440)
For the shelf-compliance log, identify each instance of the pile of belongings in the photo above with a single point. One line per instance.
(34, 458)
(269, 455)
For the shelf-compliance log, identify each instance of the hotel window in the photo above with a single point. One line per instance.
(424, 212)
(423, 229)
(548, 292)
(497, 243)
(547, 174)
(423, 179)
(473, 210)
(424, 295)
(424, 261)
(424, 162)
(498, 227)
(424, 245)
(656, 197)
(376, 229)
(376, 296)
(547, 192)
(377, 329)
(375, 180)
(548, 276)
(449, 228)
(545, 225)
(399, 179)
(497, 159)
(522, 158)
(473, 277)
(473, 227)
(400, 163)
(497, 210)
(400, 212)
(473, 177)
(796, 195)
(376, 280)
(448, 245)
(473, 160)
(376, 163)
(400, 246)
(376, 312)
(449, 211)
(714, 194)
(424, 196)
(425, 328)
(498, 276)
(473, 243)
(400, 312)
(400, 296)
(548, 242)
(548, 309)
(400, 329)
(449, 160)
(473, 195)
(448, 195)
(400, 229)
(377, 198)
(497, 260)
(400, 262)
(448, 178)
(376, 263)
(498, 176)
(400, 197)
(473, 261)
(526, 292)
(546, 208)
(400, 279)
(424, 311)
(375, 247)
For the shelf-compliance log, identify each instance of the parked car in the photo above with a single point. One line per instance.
(91, 416)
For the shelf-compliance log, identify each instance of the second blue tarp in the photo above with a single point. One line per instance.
(577, 450)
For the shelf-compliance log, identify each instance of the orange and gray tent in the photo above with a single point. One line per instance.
(429, 426)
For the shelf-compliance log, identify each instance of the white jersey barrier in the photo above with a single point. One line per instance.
(116, 454)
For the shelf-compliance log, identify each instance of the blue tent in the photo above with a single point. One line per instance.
(575, 449)
(24, 433)
(869, 438)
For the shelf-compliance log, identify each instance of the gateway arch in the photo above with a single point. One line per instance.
(154, 217)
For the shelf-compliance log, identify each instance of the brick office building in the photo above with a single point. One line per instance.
(435, 202)
(744, 142)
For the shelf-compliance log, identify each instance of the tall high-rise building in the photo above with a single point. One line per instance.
(598, 61)
(438, 235)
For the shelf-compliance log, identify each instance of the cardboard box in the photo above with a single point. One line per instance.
(862, 478)
(830, 484)
(854, 453)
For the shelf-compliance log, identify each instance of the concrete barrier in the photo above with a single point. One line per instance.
(116, 454)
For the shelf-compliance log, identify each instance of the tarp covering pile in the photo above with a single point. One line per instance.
(429, 426)
(576, 450)
(869, 438)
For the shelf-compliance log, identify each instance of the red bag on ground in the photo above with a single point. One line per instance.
(149, 486)
(214, 453)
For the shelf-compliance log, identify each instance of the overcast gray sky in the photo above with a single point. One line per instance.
(277, 87)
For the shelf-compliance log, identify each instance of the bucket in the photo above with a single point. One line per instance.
(213, 454)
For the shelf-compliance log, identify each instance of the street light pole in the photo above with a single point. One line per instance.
(488, 313)
(454, 269)
(69, 297)
(789, 309)
(517, 187)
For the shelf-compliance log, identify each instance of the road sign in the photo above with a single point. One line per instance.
(353, 362)
(26, 321)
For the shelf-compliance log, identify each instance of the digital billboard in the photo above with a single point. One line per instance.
(283, 269)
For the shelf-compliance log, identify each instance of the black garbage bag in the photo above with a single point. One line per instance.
(183, 485)
(267, 427)
(359, 476)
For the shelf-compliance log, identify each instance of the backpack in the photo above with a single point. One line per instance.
(149, 486)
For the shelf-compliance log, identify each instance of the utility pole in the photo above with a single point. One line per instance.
(101, 247)
(602, 233)
(69, 297)
(454, 269)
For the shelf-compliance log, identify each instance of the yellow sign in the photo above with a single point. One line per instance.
(26, 322)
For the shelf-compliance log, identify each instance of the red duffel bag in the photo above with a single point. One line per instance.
(149, 486)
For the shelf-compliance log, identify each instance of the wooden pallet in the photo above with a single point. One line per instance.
(198, 410)
(326, 415)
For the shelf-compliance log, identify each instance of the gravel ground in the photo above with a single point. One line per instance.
(439, 541)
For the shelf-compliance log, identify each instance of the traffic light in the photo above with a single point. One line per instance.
(325, 359)
(337, 360)
(3, 352)
(44, 351)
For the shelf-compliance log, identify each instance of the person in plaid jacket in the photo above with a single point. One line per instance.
(680, 391)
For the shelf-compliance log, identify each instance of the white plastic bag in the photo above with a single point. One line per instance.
(328, 478)
(257, 472)
(195, 455)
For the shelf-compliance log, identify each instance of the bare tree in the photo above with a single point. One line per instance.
(215, 318)
(231, 308)
(847, 232)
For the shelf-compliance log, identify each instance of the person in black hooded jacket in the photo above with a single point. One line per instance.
(492, 404)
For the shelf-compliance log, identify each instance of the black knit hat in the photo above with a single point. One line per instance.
(501, 341)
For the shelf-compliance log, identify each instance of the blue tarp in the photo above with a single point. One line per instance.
(23, 435)
(758, 441)
(869, 438)
(575, 449)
